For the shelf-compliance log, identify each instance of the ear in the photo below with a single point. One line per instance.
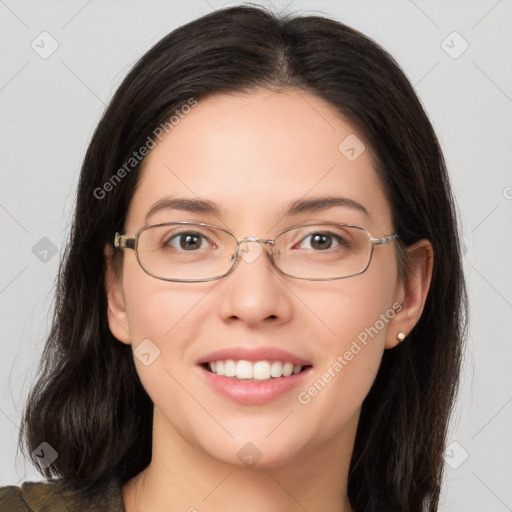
(117, 317)
(413, 293)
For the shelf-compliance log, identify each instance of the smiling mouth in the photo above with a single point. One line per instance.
(254, 371)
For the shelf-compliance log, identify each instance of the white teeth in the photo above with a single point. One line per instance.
(259, 370)
(276, 369)
(244, 370)
(287, 369)
(230, 368)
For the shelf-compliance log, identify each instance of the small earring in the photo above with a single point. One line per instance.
(400, 336)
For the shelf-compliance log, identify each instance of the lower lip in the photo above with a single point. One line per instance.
(250, 392)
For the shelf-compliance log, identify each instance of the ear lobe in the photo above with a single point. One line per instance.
(117, 317)
(414, 291)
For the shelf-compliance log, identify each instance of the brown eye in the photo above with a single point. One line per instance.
(187, 241)
(321, 241)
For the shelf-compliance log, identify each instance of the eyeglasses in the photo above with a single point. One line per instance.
(192, 252)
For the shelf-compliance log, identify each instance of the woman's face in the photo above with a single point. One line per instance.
(253, 156)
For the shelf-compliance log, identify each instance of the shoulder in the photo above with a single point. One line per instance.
(11, 499)
(62, 495)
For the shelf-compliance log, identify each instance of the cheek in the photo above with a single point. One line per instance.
(155, 307)
(356, 314)
(163, 316)
(357, 308)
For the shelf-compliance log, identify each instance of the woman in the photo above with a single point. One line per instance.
(261, 305)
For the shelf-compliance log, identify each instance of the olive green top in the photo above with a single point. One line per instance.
(58, 495)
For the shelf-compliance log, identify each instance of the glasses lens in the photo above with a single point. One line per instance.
(324, 251)
(185, 251)
(181, 251)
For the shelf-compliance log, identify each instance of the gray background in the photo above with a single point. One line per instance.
(50, 107)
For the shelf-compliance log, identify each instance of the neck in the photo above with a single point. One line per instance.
(182, 477)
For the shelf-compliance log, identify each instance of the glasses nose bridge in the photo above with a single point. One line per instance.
(248, 239)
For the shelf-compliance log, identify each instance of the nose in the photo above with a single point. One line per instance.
(255, 290)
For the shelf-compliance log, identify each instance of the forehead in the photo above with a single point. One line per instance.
(254, 154)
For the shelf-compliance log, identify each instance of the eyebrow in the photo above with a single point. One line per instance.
(295, 208)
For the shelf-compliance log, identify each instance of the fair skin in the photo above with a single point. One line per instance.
(253, 155)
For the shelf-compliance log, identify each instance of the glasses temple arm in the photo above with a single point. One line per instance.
(384, 240)
(122, 242)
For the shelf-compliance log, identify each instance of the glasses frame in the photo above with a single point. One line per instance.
(123, 242)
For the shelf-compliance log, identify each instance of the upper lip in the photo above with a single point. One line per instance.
(253, 354)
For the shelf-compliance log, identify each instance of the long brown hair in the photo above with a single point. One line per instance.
(88, 402)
